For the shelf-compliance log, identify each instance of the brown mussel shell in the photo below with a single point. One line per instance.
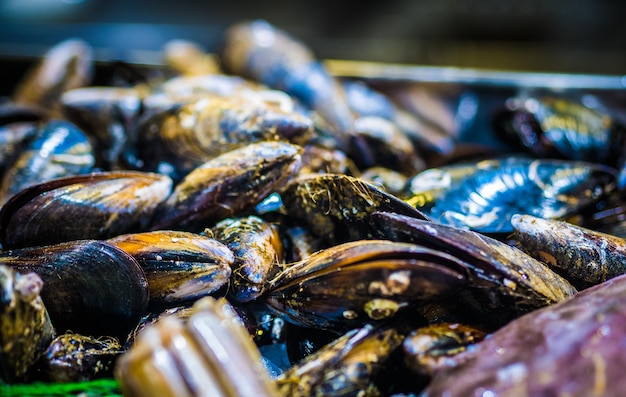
(258, 250)
(338, 207)
(344, 367)
(495, 267)
(235, 181)
(90, 286)
(596, 258)
(190, 133)
(434, 347)
(362, 281)
(67, 65)
(93, 206)
(179, 266)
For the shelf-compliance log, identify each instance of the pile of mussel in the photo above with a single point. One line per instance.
(247, 224)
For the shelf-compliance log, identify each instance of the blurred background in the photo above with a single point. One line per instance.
(573, 36)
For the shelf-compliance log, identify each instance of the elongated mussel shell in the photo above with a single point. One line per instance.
(93, 206)
(501, 271)
(196, 131)
(229, 183)
(569, 349)
(553, 127)
(211, 354)
(77, 358)
(25, 326)
(346, 366)
(67, 65)
(389, 146)
(91, 287)
(61, 149)
(362, 281)
(189, 58)
(486, 199)
(365, 101)
(338, 207)
(583, 256)
(504, 277)
(258, 250)
(179, 266)
(269, 55)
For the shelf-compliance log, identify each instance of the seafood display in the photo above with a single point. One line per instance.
(246, 223)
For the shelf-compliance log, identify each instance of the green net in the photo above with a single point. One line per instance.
(95, 388)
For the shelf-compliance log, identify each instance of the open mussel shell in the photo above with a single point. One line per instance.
(209, 354)
(90, 286)
(486, 199)
(338, 207)
(93, 206)
(179, 266)
(498, 270)
(233, 182)
(362, 281)
(25, 326)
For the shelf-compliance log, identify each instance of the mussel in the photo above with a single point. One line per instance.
(232, 182)
(93, 206)
(179, 266)
(25, 326)
(583, 256)
(91, 287)
(504, 276)
(485, 196)
(354, 283)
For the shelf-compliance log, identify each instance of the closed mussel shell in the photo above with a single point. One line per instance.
(61, 149)
(347, 366)
(179, 266)
(494, 266)
(362, 281)
(90, 286)
(229, 183)
(94, 206)
(107, 115)
(338, 207)
(486, 197)
(258, 250)
(583, 256)
(66, 65)
(74, 358)
(197, 130)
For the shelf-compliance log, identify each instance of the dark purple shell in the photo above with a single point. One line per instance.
(574, 348)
